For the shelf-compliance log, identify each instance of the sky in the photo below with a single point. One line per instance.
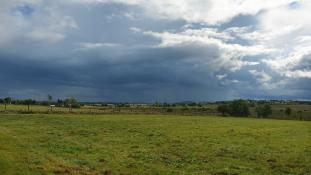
(155, 50)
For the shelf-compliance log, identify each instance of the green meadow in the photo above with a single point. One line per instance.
(152, 144)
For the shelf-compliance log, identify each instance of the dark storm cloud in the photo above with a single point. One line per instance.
(146, 75)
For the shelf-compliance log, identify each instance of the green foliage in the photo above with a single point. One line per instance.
(288, 111)
(235, 108)
(50, 98)
(29, 101)
(239, 108)
(263, 111)
(169, 110)
(8, 100)
(72, 102)
(18, 106)
(223, 109)
(59, 102)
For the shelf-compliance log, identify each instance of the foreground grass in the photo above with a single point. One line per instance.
(142, 144)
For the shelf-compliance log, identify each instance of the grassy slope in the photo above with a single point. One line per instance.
(72, 144)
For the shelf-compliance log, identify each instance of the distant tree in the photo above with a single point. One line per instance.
(223, 109)
(1, 101)
(192, 104)
(169, 110)
(50, 98)
(252, 104)
(71, 103)
(239, 108)
(166, 105)
(259, 110)
(28, 102)
(267, 110)
(60, 102)
(263, 111)
(288, 111)
(299, 113)
(7, 101)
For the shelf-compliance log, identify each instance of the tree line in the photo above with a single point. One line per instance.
(70, 102)
(241, 108)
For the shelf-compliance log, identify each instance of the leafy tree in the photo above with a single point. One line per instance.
(288, 111)
(60, 102)
(169, 110)
(267, 110)
(7, 101)
(299, 113)
(192, 104)
(263, 111)
(50, 98)
(2, 101)
(259, 111)
(223, 109)
(28, 102)
(71, 103)
(239, 108)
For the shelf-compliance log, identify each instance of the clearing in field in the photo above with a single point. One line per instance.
(148, 144)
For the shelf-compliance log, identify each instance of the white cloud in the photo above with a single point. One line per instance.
(45, 23)
(43, 35)
(299, 74)
(288, 30)
(224, 80)
(91, 46)
(210, 41)
(198, 11)
(291, 66)
(221, 76)
(135, 29)
(10, 26)
(263, 78)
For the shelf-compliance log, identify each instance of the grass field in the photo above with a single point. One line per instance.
(152, 144)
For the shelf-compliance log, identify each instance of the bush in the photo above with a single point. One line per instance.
(239, 108)
(169, 110)
(72, 102)
(263, 111)
(288, 111)
(223, 109)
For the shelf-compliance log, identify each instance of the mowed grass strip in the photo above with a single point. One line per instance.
(147, 144)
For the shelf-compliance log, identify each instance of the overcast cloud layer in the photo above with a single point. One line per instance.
(155, 50)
